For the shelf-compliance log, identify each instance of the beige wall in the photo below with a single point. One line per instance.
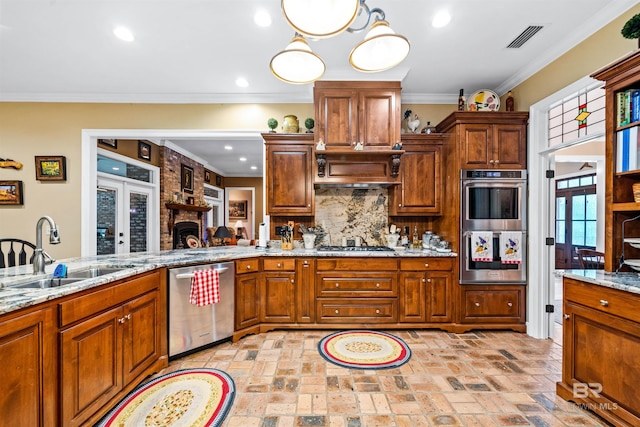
(30, 129)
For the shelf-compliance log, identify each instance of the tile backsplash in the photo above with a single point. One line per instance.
(349, 212)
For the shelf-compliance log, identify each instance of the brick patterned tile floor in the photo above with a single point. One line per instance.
(483, 379)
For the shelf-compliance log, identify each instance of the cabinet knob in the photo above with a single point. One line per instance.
(497, 161)
(128, 316)
(567, 316)
(377, 285)
(490, 161)
(477, 304)
(426, 265)
(121, 320)
(292, 281)
(424, 280)
(279, 265)
(399, 205)
(248, 267)
(377, 311)
(306, 262)
(428, 280)
(337, 285)
(309, 205)
(337, 311)
(510, 304)
(604, 302)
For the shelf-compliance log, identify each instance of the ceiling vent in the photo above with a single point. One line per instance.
(524, 36)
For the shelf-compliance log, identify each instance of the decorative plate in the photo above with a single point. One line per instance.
(633, 241)
(192, 241)
(633, 263)
(483, 100)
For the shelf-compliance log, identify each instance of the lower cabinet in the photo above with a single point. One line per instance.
(28, 356)
(247, 302)
(489, 305)
(601, 343)
(425, 290)
(103, 352)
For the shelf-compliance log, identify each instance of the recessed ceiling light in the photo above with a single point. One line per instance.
(441, 19)
(262, 18)
(228, 147)
(123, 34)
(243, 159)
(254, 167)
(242, 82)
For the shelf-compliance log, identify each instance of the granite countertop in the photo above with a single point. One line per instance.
(629, 282)
(134, 263)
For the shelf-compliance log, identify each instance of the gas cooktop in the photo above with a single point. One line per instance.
(354, 248)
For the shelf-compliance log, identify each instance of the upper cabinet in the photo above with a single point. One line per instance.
(355, 111)
(420, 189)
(489, 140)
(622, 79)
(289, 174)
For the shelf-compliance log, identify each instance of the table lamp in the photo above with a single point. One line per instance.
(222, 233)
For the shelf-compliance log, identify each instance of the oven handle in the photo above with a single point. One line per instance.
(190, 275)
(468, 233)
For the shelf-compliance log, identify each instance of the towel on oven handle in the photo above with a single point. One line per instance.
(482, 246)
(510, 250)
(205, 287)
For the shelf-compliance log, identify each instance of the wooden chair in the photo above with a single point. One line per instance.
(12, 249)
(590, 259)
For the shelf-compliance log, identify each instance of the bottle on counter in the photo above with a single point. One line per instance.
(404, 239)
(416, 239)
(461, 100)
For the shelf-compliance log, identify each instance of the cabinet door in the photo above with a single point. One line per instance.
(337, 117)
(439, 302)
(378, 117)
(247, 300)
(141, 335)
(420, 190)
(305, 294)
(91, 365)
(289, 180)
(278, 297)
(509, 146)
(476, 146)
(413, 299)
(28, 356)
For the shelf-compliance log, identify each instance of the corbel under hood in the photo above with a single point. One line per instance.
(373, 168)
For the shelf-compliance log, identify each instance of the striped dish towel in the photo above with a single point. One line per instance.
(205, 288)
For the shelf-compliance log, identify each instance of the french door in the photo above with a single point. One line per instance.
(124, 209)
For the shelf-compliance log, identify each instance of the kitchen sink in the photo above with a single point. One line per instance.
(93, 272)
(45, 283)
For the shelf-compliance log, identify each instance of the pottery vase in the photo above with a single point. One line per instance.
(290, 124)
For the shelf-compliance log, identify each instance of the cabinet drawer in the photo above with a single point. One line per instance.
(278, 264)
(356, 285)
(247, 266)
(90, 304)
(493, 305)
(601, 298)
(357, 310)
(357, 264)
(425, 264)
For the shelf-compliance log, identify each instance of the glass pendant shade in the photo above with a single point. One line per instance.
(320, 18)
(297, 64)
(380, 50)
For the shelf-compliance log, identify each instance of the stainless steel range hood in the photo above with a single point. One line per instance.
(357, 169)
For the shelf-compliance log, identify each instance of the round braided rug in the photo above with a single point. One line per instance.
(364, 349)
(184, 398)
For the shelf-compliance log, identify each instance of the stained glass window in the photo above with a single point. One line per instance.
(577, 116)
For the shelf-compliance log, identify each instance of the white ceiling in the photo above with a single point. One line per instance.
(192, 51)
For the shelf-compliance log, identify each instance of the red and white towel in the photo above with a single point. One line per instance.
(510, 250)
(205, 287)
(482, 246)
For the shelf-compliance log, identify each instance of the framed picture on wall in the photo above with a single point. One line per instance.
(10, 192)
(218, 180)
(144, 150)
(186, 179)
(113, 143)
(51, 168)
(237, 209)
(207, 176)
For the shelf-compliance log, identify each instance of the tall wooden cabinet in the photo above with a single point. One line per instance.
(350, 111)
(289, 174)
(420, 189)
(620, 205)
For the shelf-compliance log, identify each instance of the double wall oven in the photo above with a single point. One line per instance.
(493, 229)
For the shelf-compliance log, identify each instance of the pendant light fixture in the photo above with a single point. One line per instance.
(380, 50)
(297, 64)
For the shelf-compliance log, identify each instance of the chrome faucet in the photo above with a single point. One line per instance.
(54, 238)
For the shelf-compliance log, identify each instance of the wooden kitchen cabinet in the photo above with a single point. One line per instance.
(247, 296)
(487, 306)
(420, 189)
(426, 286)
(305, 290)
(28, 354)
(278, 291)
(350, 111)
(489, 140)
(289, 174)
(108, 340)
(601, 343)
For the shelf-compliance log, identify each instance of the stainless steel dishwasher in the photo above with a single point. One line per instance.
(192, 327)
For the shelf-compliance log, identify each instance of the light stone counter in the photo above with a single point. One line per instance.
(629, 282)
(134, 263)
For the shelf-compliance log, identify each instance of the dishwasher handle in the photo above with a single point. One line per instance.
(190, 275)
